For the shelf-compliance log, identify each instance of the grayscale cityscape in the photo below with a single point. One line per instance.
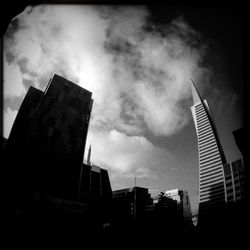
(125, 123)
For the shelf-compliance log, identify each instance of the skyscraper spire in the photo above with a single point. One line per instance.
(89, 155)
(195, 93)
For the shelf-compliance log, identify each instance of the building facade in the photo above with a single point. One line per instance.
(132, 202)
(211, 157)
(94, 184)
(240, 137)
(183, 203)
(235, 181)
(46, 145)
(164, 206)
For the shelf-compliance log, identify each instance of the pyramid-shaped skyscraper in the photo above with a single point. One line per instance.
(211, 157)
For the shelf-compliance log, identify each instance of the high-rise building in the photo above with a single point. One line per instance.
(46, 145)
(211, 157)
(235, 181)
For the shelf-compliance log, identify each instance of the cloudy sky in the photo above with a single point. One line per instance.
(137, 61)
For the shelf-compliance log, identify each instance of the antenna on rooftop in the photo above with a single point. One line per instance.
(89, 156)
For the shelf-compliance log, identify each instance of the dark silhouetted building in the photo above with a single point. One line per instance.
(132, 202)
(171, 216)
(95, 185)
(46, 144)
(4, 142)
(241, 139)
(163, 203)
(183, 203)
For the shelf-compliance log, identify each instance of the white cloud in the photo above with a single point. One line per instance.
(109, 52)
(139, 78)
(126, 155)
(12, 80)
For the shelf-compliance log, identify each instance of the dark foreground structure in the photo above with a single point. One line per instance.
(45, 148)
(43, 166)
(50, 194)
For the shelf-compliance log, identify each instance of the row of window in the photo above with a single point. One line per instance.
(207, 178)
(207, 148)
(210, 173)
(199, 107)
(211, 183)
(201, 120)
(216, 201)
(211, 180)
(204, 132)
(210, 164)
(203, 123)
(218, 189)
(200, 114)
(202, 128)
(213, 196)
(210, 158)
(209, 140)
(208, 153)
(207, 145)
(211, 170)
(205, 139)
(213, 188)
(228, 178)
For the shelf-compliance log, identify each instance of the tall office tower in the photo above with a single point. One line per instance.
(46, 145)
(211, 158)
(235, 181)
